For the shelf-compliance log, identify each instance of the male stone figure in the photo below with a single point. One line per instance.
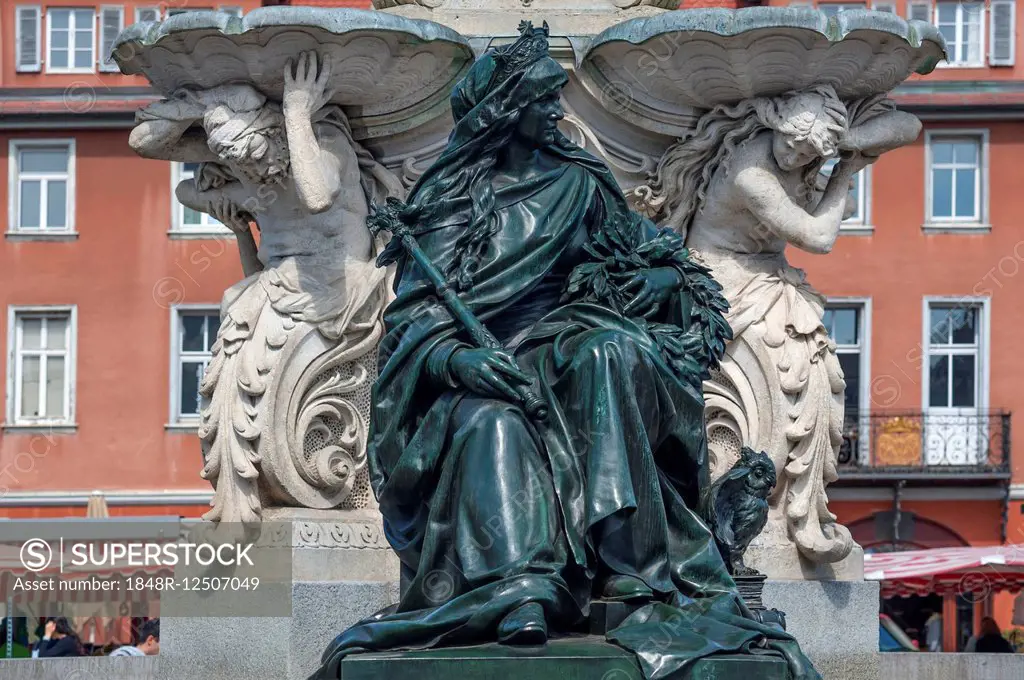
(283, 412)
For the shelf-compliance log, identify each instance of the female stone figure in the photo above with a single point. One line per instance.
(508, 526)
(740, 188)
(295, 352)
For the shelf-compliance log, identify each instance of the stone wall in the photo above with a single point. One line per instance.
(82, 668)
(924, 666)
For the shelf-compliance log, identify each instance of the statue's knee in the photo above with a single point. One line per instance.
(492, 415)
(612, 347)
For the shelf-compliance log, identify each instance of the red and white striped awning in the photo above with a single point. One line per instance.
(973, 572)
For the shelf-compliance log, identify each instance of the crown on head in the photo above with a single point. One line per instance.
(531, 46)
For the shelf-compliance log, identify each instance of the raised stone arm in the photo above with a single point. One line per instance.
(814, 231)
(317, 173)
(883, 133)
(163, 131)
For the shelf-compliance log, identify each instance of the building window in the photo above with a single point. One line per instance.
(195, 330)
(957, 178)
(953, 356)
(41, 186)
(41, 370)
(846, 324)
(955, 379)
(184, 10)
(70, 40)
(186, 219)
(856, 214)
(833, 8)
(961, 25)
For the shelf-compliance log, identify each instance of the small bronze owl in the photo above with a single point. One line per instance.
(736, 507)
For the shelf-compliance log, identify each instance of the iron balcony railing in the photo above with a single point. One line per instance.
(964, 442)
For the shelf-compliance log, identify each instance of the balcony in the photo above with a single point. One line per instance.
(961, 448)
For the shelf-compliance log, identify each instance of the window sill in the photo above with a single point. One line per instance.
(183, 427)
(955, 228)
(41, 235)
(207, 234)
(856, 230)
(946, 64)
(68, 71)
(40, 428)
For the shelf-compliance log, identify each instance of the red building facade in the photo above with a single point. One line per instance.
(110, 289)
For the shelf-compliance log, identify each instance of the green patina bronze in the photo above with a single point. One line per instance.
(510, 521)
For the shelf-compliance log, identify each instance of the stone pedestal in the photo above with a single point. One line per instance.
(342, 571)
(836, 623)
(583, 658)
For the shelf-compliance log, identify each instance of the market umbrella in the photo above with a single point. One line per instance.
(977, 570)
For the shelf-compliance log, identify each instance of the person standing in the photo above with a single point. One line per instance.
(59, 639)
(149, 641)
(991, 640)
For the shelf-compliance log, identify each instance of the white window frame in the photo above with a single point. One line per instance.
(14, 147)
(14, 359)
(34, 67)
(140, 9)
(980, 223)
(209, 228)
(843, 6)
(960, 28)
(864, 397)
(103, 67)
(984, 307)
(175, 418)
(861, 223)
(71, 41)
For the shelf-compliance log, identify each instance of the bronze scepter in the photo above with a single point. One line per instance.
(386, 218)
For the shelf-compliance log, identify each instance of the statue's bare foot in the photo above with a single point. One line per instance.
(524, 626)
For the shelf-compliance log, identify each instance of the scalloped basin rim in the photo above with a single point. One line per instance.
(729, 23)
(338, 21)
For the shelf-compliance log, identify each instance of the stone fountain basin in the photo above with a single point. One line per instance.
(381, 64)
(652, 69)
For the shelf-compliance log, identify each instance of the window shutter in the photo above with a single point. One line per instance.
(28, 29)
(111, 23)
(919, 11)
(1003, 20)
(147, 14)
(884, 7)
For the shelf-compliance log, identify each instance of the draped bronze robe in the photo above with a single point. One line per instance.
(489, 510)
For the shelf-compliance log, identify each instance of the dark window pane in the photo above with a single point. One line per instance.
(192, 333)
(844, 326)
(965, 326)
(963, 380)
(938, 321)
(942, 152)
(191, 374)
(965, 153)
(965, 194)
(938, 380)
(212, 322)
(851, 372)
(29, 203)
(942, 193)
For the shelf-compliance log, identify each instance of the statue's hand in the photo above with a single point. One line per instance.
(651, 289)
(306, 91)
(226, 212)
(487, 372)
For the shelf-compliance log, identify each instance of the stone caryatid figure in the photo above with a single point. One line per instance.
(741, 187)
(509, 524)
(285, 398)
